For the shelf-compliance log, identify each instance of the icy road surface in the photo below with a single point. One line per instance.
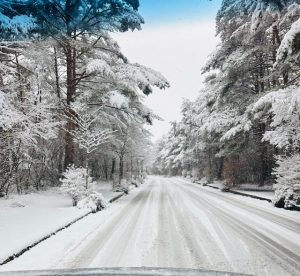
(169, 222)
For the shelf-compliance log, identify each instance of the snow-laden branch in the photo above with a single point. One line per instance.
(89, 136)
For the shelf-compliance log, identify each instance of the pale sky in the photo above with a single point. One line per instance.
(175, 46)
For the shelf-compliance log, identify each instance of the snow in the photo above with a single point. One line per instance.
(247, 188)
(99, 66)
(20, 24)
(119, 100)
(263, 194)
(170, 222)
(8, 114)
(105, 188)
(284, 107)
(94, 201)
(286, 47)
(25, 219)
(287, 181)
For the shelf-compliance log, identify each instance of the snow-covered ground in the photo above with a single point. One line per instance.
(170, 222)
(251, 189)
(105, 188)
(25, 219)
(264, 194)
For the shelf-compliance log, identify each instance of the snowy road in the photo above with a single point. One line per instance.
(170, 222)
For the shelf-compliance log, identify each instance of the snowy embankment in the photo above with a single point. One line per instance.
(28, 219)
(266, 193)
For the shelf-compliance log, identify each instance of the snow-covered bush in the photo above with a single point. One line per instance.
(204, 181)
(73, 183)
(94, 201)
(145, 175)
(189, 174)
(122, 187)
(287, 187)
(135, 182)
(195, 174)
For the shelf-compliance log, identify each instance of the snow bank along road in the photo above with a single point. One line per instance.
(169, 222)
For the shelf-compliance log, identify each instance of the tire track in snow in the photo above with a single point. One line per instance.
(186, 227)
(285, 257)
(171, 247)
(108, 235)
(285, 221)
(212, 245)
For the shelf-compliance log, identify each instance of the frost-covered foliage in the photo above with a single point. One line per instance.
(89, 135)
(284, 106)
(14, 25)
(122, 187)
(67, 93)
(248, 111)
(94, 201)
(73, 183)
(287, 187)
(289, 45)
(46, 17)
(9, 116)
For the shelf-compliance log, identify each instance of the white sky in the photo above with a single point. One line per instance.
(178, 51)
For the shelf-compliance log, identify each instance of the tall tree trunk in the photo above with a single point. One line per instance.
(220, 168)
(263, 155)
(56, 73)
(70, 113)
(87, 172)
(105, 168)
(19, 75)
(121, 172)
(1, 81)
(261, 73)
(276, 42)
(113, 168)
(71, 89)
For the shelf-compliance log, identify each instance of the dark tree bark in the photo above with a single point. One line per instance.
(70, 113)
(121, 169)
(71, 90)
(113, 168)
(56, 73)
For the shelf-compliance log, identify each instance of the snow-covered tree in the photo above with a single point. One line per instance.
(73, 184)
(90, 137)
(248, 111)
(73, 180)
(57, 66)
(287, 172)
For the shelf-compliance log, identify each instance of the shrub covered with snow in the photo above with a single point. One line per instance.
(94, 201)
(184, 173)
(287, 187)
(73, 183)
(135, 182)
(195, 174)
(122, 187)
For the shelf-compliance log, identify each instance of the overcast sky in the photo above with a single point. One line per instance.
(176, 40)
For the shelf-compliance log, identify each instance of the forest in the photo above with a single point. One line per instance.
(244, 125)
(71, 104)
